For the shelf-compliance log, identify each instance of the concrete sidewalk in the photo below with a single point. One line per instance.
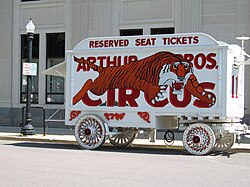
(66, 136)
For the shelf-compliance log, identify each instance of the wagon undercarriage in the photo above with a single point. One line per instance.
(198, 138)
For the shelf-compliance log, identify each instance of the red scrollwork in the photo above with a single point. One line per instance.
(74, 114)
(145, 116)
(112, 116)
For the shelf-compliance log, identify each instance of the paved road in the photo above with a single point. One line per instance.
(47, 164)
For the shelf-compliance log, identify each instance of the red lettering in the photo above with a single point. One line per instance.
(206, 85)
(235, 82)
(111, 62)
(178, 40)
(101, 60)
(89, 102)
(91, 44)
(111, 97)
(124, 98)
(91, 59)
(172, 40)
(189, 57)
(165, 41)
(126, 42)
(145, 41)
(200, 61)
(190, 39)
(196, 39)
(81, 64)
(137, 42)
(184, 40)
(108, 43)
(132, 59)
(181, 40)
(211, 59)
(104, 61)
(176, 102)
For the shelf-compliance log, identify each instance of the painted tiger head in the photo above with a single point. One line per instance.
(176, 74)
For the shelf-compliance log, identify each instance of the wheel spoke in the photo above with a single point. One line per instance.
(123, 139)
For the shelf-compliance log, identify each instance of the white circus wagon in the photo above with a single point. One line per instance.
(119, 86)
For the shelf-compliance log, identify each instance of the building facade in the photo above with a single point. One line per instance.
(61, 24)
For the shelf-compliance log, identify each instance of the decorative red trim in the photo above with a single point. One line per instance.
(112, 116)
(74, 114)
(145, 116)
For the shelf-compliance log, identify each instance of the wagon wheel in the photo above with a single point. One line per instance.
(224, 141)
(198, 139)
(90, 132)
(124, 139)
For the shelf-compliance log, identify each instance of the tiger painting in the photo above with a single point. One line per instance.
(152, 75)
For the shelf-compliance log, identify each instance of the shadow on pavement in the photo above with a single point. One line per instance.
(142, 150)
(138, 150)
(45, 145)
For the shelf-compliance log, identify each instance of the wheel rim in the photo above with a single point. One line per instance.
(90, 132)
(124, 139)
(198, 139)
(224, 141)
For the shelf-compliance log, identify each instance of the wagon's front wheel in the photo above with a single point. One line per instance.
(90, 132)
(198, 139)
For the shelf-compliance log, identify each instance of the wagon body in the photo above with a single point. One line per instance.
(212, 65)
(119, 86)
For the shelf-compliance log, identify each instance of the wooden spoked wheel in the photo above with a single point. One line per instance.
(123, 139)
(198, 139)
(224, 141)
(90, 132)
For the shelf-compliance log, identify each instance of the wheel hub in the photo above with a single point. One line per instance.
(88, 131)
(196, 139)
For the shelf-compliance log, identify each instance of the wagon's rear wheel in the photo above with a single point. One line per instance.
(224, 141)
(90, 132)
(198, 139)
(123, 139)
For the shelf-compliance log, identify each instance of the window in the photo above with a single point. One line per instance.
(167, 30)
(35, 59)
(131, 32)
(55, 55)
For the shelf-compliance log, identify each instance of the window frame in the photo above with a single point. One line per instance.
(131, 30)
(165, 30)
(47, 76)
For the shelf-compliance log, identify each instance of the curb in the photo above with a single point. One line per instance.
(36, 139)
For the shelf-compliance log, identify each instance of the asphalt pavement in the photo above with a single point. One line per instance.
(66, 135)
